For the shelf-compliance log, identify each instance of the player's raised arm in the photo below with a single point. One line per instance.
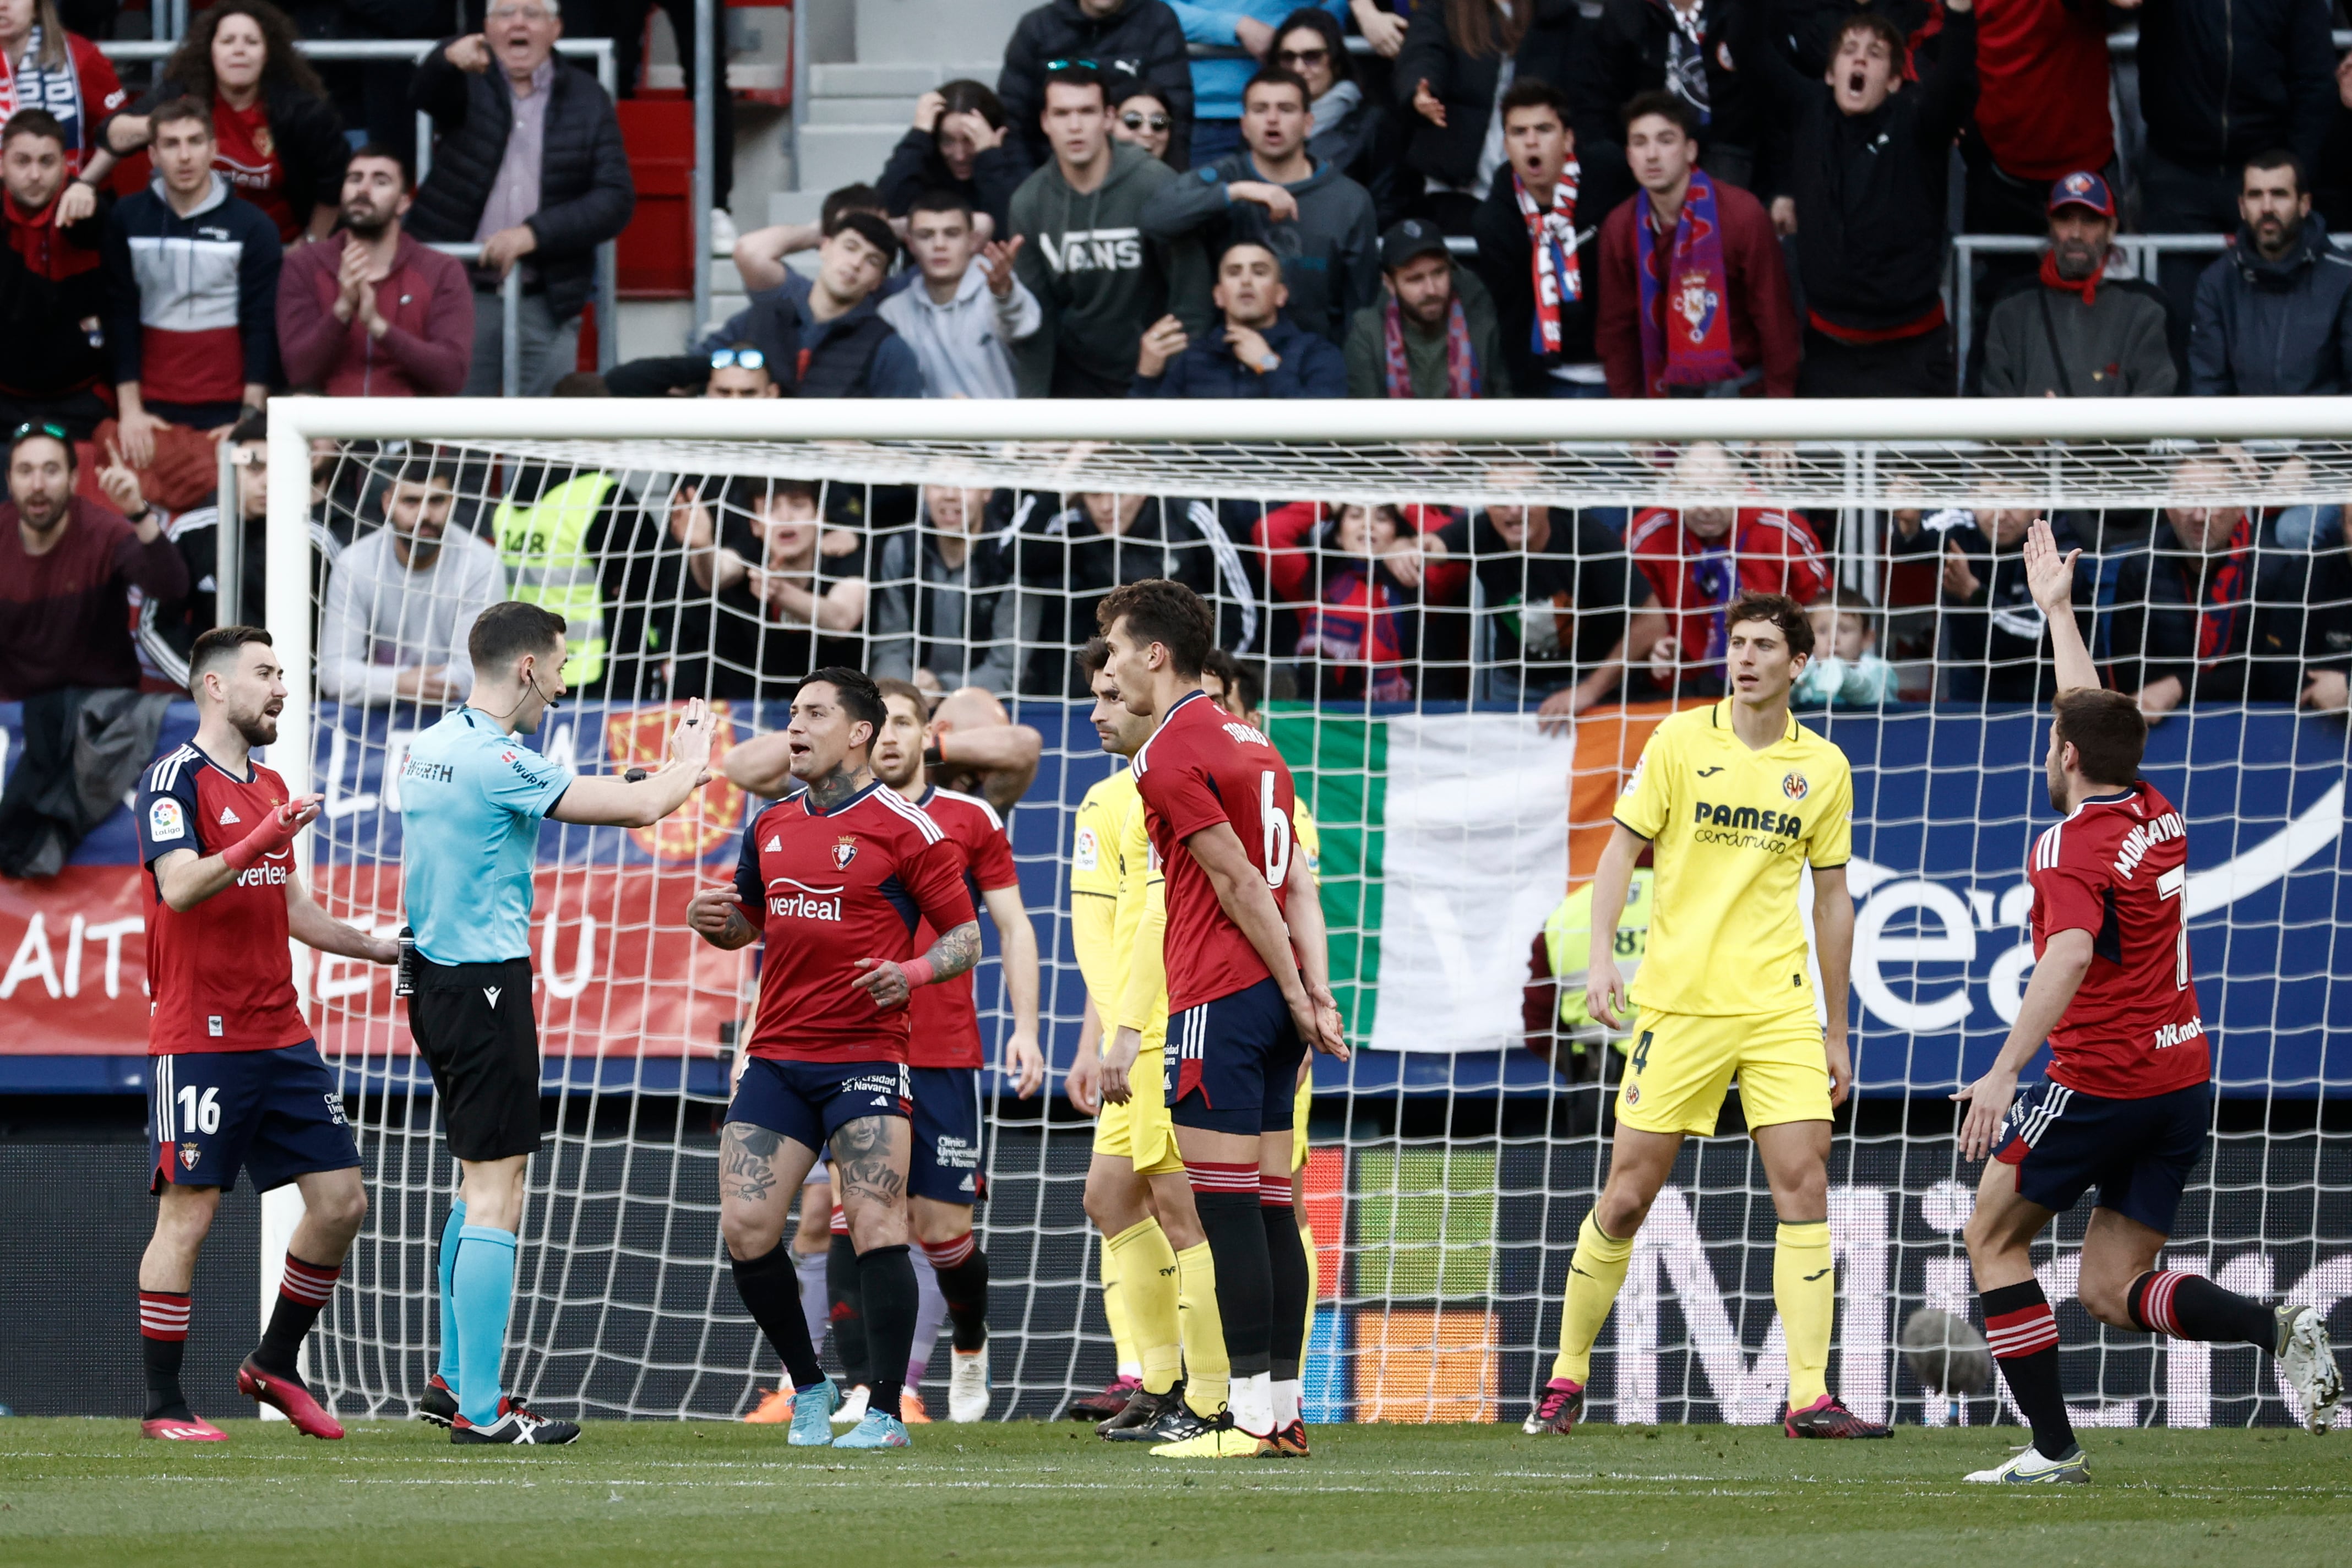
(643, 801)
(185, 878)
(2049, 577)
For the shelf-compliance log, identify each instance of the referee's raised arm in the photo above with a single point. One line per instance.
(640, 799)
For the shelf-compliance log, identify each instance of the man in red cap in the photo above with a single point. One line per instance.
(2078, 330)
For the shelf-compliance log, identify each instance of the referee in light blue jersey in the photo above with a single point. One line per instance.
(471, 799)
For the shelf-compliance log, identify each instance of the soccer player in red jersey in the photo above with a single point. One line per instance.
(944, 1055)
(237, 1081)
(1248, 991)
(842, 875)
(2127, 1102)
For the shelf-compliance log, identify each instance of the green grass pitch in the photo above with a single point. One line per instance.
(75, 1492)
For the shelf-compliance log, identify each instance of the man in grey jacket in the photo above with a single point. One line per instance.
(2074, 332)
(1098, 278)
(2275, 313)
(1273, 193)
(402, 601)
(965, 312)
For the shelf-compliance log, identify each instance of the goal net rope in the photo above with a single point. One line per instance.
(1460, 717)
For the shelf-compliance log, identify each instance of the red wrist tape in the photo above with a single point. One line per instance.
(918, 971)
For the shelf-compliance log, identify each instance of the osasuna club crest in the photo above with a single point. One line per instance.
(189, 1155)
(845, 850)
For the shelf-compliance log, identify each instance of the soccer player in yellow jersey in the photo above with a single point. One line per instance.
(1735, 799)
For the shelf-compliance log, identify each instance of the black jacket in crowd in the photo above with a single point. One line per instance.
(1625, 51)
(2220, 81)
(585, 191)
(1144, 35)
(1506, 264)
(309, 136)
(917, 169)
(1063, 565)
(51, 282)
(2267, 635)
(1464, 83)
(2273, 329)
(1870, 188)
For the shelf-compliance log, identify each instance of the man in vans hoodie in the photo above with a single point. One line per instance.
(1083, 254)
(192, 303)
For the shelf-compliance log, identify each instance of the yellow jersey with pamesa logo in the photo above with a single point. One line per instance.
(1733, 829)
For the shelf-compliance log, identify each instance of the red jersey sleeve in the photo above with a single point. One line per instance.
(933, 877)
(1177, 791)
(991, 861)
(2073, 890)
(1777, 554)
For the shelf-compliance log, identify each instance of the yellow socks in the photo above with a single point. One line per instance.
(1804, 1287)
(1594, 1275)
(1207, 1373)
(1122, 1332)
(1146, 1275)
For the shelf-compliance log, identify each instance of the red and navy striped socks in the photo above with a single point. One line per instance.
(2024, 1337)
(302, 1295)
(2188, 1307)
(162, 1340)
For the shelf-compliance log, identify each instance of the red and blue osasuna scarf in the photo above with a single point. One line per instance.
(2225, 595)
(1551, 234)
(1685, 296)
(1463, 376)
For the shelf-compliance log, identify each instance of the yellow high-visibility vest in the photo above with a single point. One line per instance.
(545, 548)
(1568, 944)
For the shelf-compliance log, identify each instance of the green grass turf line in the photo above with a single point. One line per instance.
(75, 1492)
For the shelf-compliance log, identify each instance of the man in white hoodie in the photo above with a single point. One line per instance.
(969, 310)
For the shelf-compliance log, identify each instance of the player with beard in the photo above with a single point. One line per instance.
(237, 1081)
(379, 315)
(842, 876)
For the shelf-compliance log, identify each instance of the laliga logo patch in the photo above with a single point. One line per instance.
(1795, 786)
(165, 819)
(845, 850)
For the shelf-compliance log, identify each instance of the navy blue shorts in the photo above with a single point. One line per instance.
(274, 1114)
(947, 1136)
(1232, 1065)
(808, 1102)
(2137, 1153)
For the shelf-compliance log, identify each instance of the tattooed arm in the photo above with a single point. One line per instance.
(888, 982)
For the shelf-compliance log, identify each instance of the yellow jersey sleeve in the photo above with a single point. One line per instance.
(1095, 873)
(1647, 803)
(1308, 838)
(1830, 842)
(1142, 1001)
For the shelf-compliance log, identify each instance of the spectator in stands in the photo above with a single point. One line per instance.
(2220, 81)
(276, 139)
(1259, 353)
(1459, 62)
(740, 370)
(1349, 131)
(961, 142)
(67, 567)
(530, 163)
(1098, 288)
(1065, 561)
(2074, 332)
(378, 315)
(1559, 604)
(1701, 556)
(1240, 35)
(1694, 294)
(1682, 49)
(2274, 312)
(1271, 191)
(168, 629)
(191, 290)
(1992, 642)
(1845, 670)
(1143, 38)
(1433, 333)
(401, 602)
(62, 74)
(781, 605)
(1539, 260)
(623, 21)
(759, 255)
(943, 606)
(52, 291)
(1139, 116)
(963, 318)
(1870, 170)
(1351, 575)
(2041, 111)
(2213, 610)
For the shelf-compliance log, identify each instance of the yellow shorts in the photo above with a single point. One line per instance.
(1141, 1130)
(1681, 1064)
(1299, 1122)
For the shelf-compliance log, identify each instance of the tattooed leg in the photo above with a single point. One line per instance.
(759, 1171)
(870, 1156)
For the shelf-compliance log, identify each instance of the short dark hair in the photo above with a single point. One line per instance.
(940, 201)
(890, 686)
(1159, 610)
(252, 425)
(174, 109)
(46, 432)
(1233, 245)
(1240, 681)
(220, 646)
(1077, 73)
(1275, 76)
(2106, 730)
(33, 122)
(2272, 158)
(858, 693)
(580, 383)
(506, 630)
(745, 493)
(421, 466)
(1781, 611)
(867, 227)
(1665, 106)
(1848, 601)
(847, 198)
(1094, 657)
(1534, 93)
(965, 96)
(1323, 21)
(1898, 44)
(390, 154)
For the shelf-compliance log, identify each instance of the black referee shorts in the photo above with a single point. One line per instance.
(473, 1024)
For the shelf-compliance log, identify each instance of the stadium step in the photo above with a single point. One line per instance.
(836, 155)
(920, 31)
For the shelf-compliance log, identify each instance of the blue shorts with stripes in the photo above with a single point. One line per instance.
(1232, 1065)
(946, 1166)
(2137, 1153)
(274, 1115)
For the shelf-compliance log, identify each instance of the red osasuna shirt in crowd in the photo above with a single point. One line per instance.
(830, 888)
(945, 1018)
(2041, 87)
(245, 155)
(2117, 866)
(220, 974)
(1200, 767)
(1697, 579)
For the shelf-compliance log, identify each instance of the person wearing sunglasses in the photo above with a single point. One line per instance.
(1144, 38)
(740, 370)
(1346, 129)
(1139, 116)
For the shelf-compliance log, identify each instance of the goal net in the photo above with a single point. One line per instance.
(1461, 622)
